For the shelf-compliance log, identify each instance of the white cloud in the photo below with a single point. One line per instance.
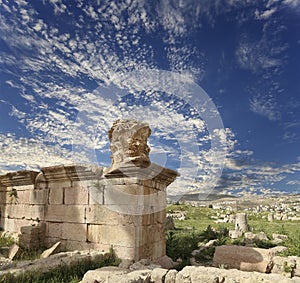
(292, 3)
(266, 107)
(265, 14)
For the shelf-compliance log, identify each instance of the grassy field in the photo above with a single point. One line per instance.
(200, 226)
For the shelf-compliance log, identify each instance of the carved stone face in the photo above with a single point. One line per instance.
(129, 141)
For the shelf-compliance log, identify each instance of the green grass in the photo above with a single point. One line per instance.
(63, 273)
(6, 241)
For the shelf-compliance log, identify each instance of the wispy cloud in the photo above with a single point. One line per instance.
(55, 71)
(265, 106)
(263, 15)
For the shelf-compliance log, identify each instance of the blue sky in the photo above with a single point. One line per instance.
(69, 69)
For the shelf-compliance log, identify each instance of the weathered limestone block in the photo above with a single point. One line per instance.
(131, 195)
(54, 229)
(56, 192)
(24, 211)
(14, 251)
(296, 269)
(171, 276)
(243, 258)
(50, 251)
(121, 235)
(33, 236)
(95, 197)
(284, 266)
(76, 195)
(38, 196)
(66, 213)
(104, 274)
(22, 196)
(74, 231)
(97, 214)
(211, 275)
(158, 275)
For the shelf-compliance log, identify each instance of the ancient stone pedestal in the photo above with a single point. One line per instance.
(137, 187)
(241, 222)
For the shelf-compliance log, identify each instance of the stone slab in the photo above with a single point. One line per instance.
(14, 251)
(51, 250)
(243, 258)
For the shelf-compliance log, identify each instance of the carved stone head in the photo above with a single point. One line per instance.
(128, 142)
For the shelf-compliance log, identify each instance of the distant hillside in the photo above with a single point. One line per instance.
(199, 197)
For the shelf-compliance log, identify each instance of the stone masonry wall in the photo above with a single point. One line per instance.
(85, 214)
(93, 207)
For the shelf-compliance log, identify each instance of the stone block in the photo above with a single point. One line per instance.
(78, 245)
(66, 213)
(56, 193)
(39, 196)
(171, 276)
(100, 214)
(74, 232)
(243, 258)
(24, 211)
(132, 194)
(157, 202)
(54, 229)
(105, 274)
(283, 265)
(94, 233)
(96, 196)
(119, 235)
(76, 195)
(23, 196)
(97, 214)
(158, 275)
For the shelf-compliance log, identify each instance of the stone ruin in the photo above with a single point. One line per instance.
(241, 226)
(241, 222)
(91, 207)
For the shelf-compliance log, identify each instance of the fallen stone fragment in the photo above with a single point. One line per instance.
(14, 251)
(50, 251)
